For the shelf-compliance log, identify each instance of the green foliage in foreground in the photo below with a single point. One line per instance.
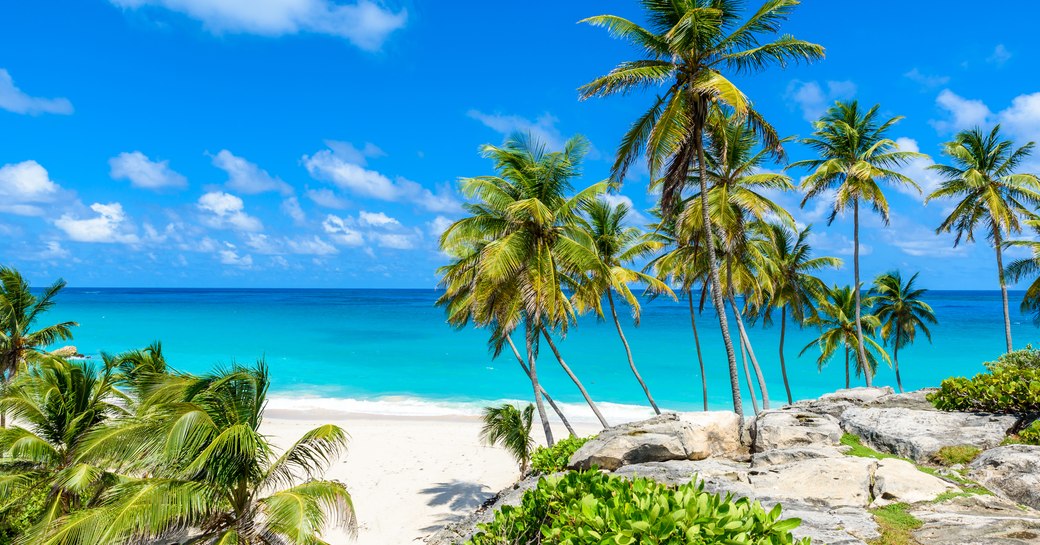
(590, 508)
(510, 428)
(1028, 436)
(1012, 386)
(555, 458)
(1026, 358)
(960, 454)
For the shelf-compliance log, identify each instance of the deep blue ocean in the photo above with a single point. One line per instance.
(379, 345)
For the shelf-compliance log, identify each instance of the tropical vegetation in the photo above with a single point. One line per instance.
(557, 457)
(902, 312)
(510, 427)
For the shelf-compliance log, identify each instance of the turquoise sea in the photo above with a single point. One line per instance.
(374, 347)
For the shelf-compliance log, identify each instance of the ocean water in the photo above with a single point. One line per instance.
(391, 350)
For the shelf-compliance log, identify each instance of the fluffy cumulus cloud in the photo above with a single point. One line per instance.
(371, 228)
(246, 177)
(345, 172)
(108, 225)
(543, 128)
(342, 231)
(327, 198)
(229, 255)
(291, 207)
(143, 172)
(813, 99)
(961, 113)
(437, 226)
(917, 170)
(226, 211)
(23, 186)
(364, 23)
(1022, 118)
(15, 100)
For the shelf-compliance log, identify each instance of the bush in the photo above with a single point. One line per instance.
(18, 516)
(591, 508)
(1027, 358)
(1028, 436)
(960, 454)
(555, 458)
(1007, 389)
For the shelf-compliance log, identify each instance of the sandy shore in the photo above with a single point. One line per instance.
(408, 475)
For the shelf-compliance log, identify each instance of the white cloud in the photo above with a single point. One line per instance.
(373, 228)
(51, 250)
(24, 184)
(364, 23)
(15, 100)
(814, 100)
(327, 198)
(310, 246)
(329, 165)
(542, 128)
(917, 170)
(143, 172)
(314, 245)
(108, 226)
(999, 56)
(1022, 118)
(246, 177)
(225, 210)
(962, 113)
(926, 80)
(352, 154)
(396, 241)
(341, 231)
(376, 219)
(229, 256)
(291, 207)
(635, 216)
(830, 243)
(438, 226)
(917, 240)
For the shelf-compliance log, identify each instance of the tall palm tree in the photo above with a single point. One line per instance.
(617, 246)
(1028, 266)
(687, 48)
(985, 181)
(525, 245)
(854, 155)
(207, 472)
(510, 427)
(789, 265)
(901, 309)
(836, 318)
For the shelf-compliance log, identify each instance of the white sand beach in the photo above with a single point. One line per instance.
(408, 475)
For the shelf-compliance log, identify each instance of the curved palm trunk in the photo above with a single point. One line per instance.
(628, 352)
(997, 241)
(574, 378)
(895, 356)
(746, 343)
(747, 375)
(531, 336)
(713, 268)
(861, 353)
(783, 365)
(848, 378)
(700, 357)
(548, 399)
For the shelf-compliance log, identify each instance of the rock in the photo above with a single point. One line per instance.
(463, 529)
(718, 430)
(899, 481)
(836, 403)
(788, 455)
(908, 400)
(976, 520)
(1012, 472)
(658, 439)
(839, 482)
(840, 526)
(718, 475)
(920, 434)
(790, 428)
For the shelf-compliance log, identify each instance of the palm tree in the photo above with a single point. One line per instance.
(510, 427)
(525, 245)
(984, 179)
(854, 155)
(57, 404)
(1028, 266)
(789, 265)
(836, 318)
(902, 312)
(689, 44)
(617, 246)
(209, 474)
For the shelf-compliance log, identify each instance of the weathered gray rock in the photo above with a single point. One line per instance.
(791, 428)
(658, 439)
(920, 434)
(718, 475)
(718, 430)
(836, 403)
(899, 481)
(909, 400)
(1012, 472)
(836, 482)
(796, 454)
(838, 526)
(976, 520)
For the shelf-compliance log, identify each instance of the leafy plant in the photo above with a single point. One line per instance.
(1026, 358)
(959, 454)
(1028, 436)
(510, 427)
(555, 458)
(1007, 389)
(586, 508)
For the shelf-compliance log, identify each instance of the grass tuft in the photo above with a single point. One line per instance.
(960, 454)
(896, 525)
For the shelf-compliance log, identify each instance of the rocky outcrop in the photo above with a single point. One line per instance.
(719, 431)
(796, 454)
(976, 520)
(899, 481)
(839, 482)
(834, 404)
(793, 428)
(918, 435)
(659, 439)
(1012, 472)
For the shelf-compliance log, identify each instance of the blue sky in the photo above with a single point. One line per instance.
(314, 143)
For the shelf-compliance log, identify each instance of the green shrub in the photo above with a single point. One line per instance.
(1028, 436)
(591, 508)
(18, 516)
(1027, 358)
(1005, 390)
(960, 454)
(555, 458)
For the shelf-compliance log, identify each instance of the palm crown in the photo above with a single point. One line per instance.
(19, 312)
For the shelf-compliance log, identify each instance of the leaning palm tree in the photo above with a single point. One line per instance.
(687, 48)
(788, 263)
(902, 312)
(617, 246)
(510, 427)
(855, 154)
(208, 475)
(1020, 269)
(985, 181)
(836, 318)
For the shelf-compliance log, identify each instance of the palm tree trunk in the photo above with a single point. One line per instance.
(531, 335)
(713, 268)
(861, 353)
(628, 352)
(567, 369)
(895, 356)
(700, 357)
(747, 375)
(552, 403)
(997, 242)
(746, 342)
(783, 365)
(848, 383)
